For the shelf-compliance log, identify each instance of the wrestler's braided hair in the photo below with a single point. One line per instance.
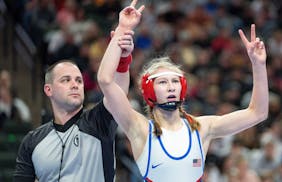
(195, 125)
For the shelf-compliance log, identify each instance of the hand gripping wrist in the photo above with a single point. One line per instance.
(124, 63)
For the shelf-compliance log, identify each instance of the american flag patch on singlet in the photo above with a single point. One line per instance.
(197, 162)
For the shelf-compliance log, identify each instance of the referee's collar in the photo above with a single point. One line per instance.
(68, 124)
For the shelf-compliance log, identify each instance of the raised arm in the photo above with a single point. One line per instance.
(114, 98)
(257, 110)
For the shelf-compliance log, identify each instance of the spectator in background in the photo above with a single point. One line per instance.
(5, 79)
(278, 173)
(12, 108)
(38, 19)
(275, 43)
(269, 159)
(243, 173)
(66, 15)
(96, 50)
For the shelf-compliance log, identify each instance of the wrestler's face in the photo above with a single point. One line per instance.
(67, 89)
(167, 87)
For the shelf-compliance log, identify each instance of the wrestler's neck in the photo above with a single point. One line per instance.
(169, 120)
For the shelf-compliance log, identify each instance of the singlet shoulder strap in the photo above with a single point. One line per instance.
(201, 148)
(149, 146)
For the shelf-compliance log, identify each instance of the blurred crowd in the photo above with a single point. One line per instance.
(12, 108)
(200, 35)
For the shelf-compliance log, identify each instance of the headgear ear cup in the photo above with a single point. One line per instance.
(183, 82)
(148, 90)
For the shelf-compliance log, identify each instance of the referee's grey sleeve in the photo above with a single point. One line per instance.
(24, 170)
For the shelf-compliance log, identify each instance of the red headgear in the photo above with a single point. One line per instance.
(148, 92)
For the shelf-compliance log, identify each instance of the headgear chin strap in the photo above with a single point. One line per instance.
(147, 85)
(170, 106)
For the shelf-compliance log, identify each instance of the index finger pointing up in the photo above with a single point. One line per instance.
(243, 37)
(253, 32)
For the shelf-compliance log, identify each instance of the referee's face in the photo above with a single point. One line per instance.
(67, 89)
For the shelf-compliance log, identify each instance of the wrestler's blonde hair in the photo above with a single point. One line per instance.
(157, 63)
